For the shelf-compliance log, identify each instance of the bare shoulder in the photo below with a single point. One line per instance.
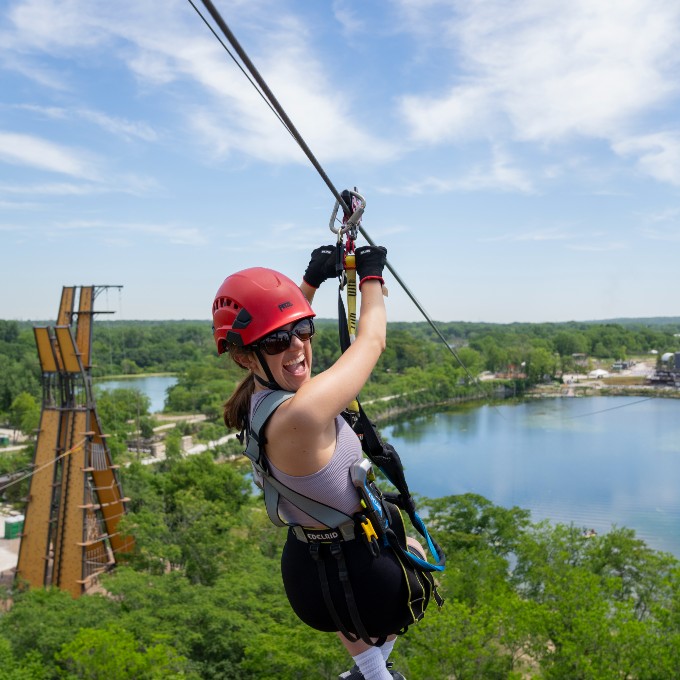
(298, 443)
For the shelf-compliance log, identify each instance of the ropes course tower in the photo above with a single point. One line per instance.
(75, 500)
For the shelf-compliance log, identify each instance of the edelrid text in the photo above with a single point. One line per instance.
(329, 535)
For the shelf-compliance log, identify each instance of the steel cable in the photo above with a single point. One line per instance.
(273, 103)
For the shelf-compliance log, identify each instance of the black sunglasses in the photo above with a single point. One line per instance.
(279, 341)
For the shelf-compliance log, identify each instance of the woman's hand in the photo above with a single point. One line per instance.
(321, 266)
(370, 262)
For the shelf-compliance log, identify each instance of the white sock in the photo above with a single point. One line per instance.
(372, 665)
(386, 648)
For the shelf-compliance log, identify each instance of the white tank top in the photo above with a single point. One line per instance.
(331, 484)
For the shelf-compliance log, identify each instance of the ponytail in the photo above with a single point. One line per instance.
(237, 407)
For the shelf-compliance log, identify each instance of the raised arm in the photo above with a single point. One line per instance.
(302, 433)
(327, 394)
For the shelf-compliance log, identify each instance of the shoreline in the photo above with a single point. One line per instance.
(574, 391)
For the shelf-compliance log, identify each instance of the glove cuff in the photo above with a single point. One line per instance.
(371, 278)
(310, 284)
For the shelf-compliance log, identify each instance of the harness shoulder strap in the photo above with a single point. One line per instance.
(263, 412)
(272, 487)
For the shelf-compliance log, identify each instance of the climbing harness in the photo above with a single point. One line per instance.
(378, 523)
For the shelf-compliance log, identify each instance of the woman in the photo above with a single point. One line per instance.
(264, 320)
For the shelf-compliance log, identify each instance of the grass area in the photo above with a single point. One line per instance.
(625, 380)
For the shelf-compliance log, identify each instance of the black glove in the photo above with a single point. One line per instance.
(321, 266)
(370, 262)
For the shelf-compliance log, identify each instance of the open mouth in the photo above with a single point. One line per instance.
(295, 366)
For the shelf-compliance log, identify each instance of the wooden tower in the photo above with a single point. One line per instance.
(75, 500)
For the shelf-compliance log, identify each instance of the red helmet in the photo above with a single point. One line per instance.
(254, 302)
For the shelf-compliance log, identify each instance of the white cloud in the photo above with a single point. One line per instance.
(610, 246)
(161, 48)
(543, 70)
(658, 154)
(670, 235)
(464, 113)
(42, 75)
(548, 234)
(168, 233)
(350, 18)
(500, 174)
(27, 150)
(119, 127)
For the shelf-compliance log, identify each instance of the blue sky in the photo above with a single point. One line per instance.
(520, 159)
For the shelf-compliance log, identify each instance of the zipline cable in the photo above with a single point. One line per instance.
(42, 467)
(238, 64)
(281, 114)
(288, 123)
(613, 408)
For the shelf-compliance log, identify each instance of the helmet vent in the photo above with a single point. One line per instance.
(224, 302)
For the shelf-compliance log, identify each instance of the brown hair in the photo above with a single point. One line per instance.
(237, 407)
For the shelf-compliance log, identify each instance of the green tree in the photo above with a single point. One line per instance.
(25, 413)
(114, 653)
(28, 668)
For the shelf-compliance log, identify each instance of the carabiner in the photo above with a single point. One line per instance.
(351, 222)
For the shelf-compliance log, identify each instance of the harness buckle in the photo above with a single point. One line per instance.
(363, 477)
(370, 536)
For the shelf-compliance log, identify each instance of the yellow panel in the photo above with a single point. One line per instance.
(68, 350)
(109, 494)
(33, 549)
(48, 363)
(84, 330)
(69, 572)
(66, 306)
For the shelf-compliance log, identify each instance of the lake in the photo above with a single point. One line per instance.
(153, 386)
(596, 462)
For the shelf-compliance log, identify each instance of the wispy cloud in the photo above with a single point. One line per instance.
(42, 154)
(168, 233)
(40, 74)
(607, 247)
(548, 70)
(577, 241)
(671, 235)
(350, 18)
(120, 127)
(658, 154)
(548, 234)
(51, 189)
(217, 102)
(500, 174)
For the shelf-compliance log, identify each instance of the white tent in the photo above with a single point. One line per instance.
(598, 373)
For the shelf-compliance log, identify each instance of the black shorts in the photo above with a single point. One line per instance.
(379, 585)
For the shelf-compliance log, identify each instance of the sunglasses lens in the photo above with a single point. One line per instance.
(304, 329)
(279, 341)
(276, 343)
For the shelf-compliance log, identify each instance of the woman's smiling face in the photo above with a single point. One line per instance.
(290, 368)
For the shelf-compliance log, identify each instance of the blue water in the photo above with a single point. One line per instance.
(596, 462)
(153, 386)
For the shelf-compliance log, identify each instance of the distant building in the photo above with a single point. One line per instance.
(668, 370)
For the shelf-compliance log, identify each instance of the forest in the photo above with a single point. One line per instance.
(201, 596)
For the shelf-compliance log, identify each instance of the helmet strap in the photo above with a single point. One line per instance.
(271, 384)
